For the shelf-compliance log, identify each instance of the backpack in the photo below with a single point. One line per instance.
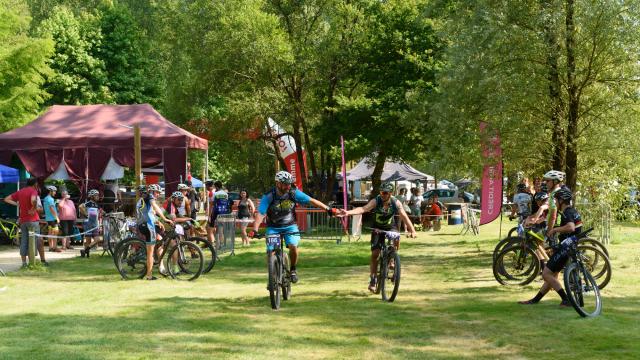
(222, 206)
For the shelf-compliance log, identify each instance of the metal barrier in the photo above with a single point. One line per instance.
(598, 216)
(316, 224)
(225, 233)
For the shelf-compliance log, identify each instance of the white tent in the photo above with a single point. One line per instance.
(392, 171)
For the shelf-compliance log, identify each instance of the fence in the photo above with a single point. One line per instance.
(318, 225)
(226, 233)
(598, 216)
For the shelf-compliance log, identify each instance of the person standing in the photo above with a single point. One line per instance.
(92, 211)
(51, 217)
(26, 200)
(246, 208)
(414, 203)
(221, 206)
(67, 215)
(194, 200)
(211, 224)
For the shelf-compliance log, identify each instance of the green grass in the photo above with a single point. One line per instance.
(449, 307)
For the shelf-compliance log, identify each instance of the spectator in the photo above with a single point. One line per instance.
(211, 226)
(26, 200)
(51, 217)
(221, 206)
(415, 202)
(92, 211)
(402, 197)
(67, 214)
(432, 215)
(111, 197)
(246, 208)
(194, 200)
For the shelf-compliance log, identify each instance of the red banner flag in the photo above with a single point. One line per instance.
(491, 200)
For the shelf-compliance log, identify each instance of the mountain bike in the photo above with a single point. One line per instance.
(388, 266)
(9, 231)
(115, 227)
(582, 290)
(208, 250)
(184, 259)
(278, 267)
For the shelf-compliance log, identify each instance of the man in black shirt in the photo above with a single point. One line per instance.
(570, 225)
(194, 200)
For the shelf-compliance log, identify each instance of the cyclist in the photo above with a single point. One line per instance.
(175, 208)
(385, 207)
(570, 224)
(553, 180)
(521, 202)
(278, 205)
(92, 211)
(186, 203)
(146, 210)
(541, 199)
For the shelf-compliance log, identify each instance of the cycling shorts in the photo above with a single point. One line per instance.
(558, 260)
(149, 233)
(378, 239)
(292, 240)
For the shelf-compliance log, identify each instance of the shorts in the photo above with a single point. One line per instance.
(52, 225)
(292, 240)
(378, 238)
(67, 227)
(558, 260)
(212, 219)
(93, 233)
(149, 233)
(24, 236)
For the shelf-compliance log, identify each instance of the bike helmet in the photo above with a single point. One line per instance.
(93, 192)
(522, 187)
(154, 187)
(554, 175)
(541, 196)
(564, 194)
(387, 186)
(183, 187)
(284, 177)
(177, 195)
(142, 189)
(51, 188)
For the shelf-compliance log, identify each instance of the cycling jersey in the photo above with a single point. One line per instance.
(146, 218)
(280, 210)
(561, 254)
(552, 205)
(383, 219)
(570, 215)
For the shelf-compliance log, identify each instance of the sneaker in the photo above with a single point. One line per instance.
(294, 276)
(565, 303)
(372, 285)
(86, 252)
(69, 247)
(45, 264)
(151, 278)
(24, 265)
(82, 253)
(527, 302)
(58, 250)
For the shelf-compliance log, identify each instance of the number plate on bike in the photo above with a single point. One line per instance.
(179, 230)
(273, 241)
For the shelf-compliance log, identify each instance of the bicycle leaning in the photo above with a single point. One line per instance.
(184, 259)
(9, 231)
(388, 274)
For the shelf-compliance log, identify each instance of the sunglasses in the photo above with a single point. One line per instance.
(385, 192)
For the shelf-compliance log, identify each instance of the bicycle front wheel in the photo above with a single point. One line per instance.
(286, 280)
(185, 261)
(582, 290)
(208, 250)
(131, 259)
(597, 263)
(274, 286)
(390, 280)
(516, 265)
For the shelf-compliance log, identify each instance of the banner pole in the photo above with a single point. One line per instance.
(344, 187)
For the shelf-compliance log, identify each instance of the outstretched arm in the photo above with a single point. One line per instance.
(359, 210)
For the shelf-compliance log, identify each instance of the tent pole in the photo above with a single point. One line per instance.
(205, 197)
(86, 170)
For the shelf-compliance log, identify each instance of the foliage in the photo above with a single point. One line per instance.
(23, 67)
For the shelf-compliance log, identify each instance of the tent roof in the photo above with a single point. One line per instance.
(92, 126)
(393, 171)
(9, 174)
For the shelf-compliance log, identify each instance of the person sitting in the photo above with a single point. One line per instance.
(432, 216)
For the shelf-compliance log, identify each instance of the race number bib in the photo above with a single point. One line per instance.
(273, 241)
(179, 230)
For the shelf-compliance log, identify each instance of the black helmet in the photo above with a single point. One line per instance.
(522, 187)
(564, 194)
(541, 196)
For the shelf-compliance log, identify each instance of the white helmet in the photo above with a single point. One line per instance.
(183, 187)
(154, 187)
(554, 175)
(51, 188)
(284, 177)
(93, 192)
(177, 195)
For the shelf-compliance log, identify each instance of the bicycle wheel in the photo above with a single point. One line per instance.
(597, 263)
(513, 232)
(131, 259)
(208, 250)
(381, 265)
(185, 261)
(582, 290)
(503, 244)
(273, 286)
(114, 235)
(516, 265)
(390, 280)
(286, 280)
(595, 243)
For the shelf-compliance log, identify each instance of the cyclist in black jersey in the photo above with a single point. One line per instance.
(570, 224)
(385, 207)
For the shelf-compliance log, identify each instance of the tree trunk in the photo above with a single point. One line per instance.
(574, 101)
(555, 96)
(377, 173)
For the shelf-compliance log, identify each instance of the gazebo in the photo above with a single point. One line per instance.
(85, 138)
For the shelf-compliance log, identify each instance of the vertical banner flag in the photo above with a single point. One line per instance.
(491, 201)
(287, 149)
(344, 184)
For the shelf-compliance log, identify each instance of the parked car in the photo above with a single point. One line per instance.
(447, 196)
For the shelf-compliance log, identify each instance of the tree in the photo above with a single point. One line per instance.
(23, 67)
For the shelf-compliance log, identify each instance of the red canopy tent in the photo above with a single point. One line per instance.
(86, 137)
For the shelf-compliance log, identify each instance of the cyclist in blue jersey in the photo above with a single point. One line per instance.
(278, 205)
(385, 209)
(146, 210)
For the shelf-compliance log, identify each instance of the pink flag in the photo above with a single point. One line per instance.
(491, 200)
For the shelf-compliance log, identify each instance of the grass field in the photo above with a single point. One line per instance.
(449, 307)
